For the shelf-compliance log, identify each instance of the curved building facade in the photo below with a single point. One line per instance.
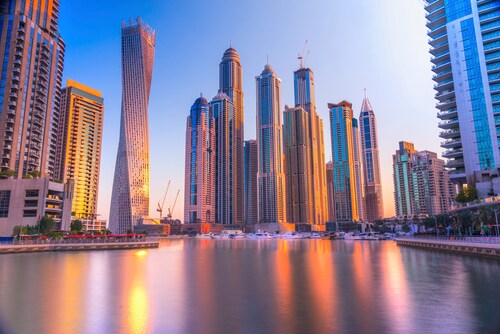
(130, 197)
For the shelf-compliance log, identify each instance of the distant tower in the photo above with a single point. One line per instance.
(199, 188)
(298, 175)
(305, 98)
(31, 69)
(358, 170)
(81, 140)
(269, 140)
(374, 205)
(251, 168)
(331, 192)
(344, 173)
(130, 197)
(223, 111)
(230, 83)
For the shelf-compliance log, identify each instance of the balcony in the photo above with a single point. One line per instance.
(445, 95)
(449, 124)
(13, 103)
(449, 134)
(15, 78)
(456, 163)
(453, 153)
(447, 114)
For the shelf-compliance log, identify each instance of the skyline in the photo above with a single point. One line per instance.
(363, 66)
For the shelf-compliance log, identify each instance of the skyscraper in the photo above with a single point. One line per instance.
(374, 205)
(230, 83)
(464, 48)
(305, 98)
(251, 168)
(298, 175)
(344, 173)
(271, 178)
(199, 189)
(30, 86)
(223, 111)
(79, 160)
(358, 170)
(130, 197)
(421, 183)
(331, 192)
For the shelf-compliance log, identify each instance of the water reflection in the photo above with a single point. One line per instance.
(250, 286)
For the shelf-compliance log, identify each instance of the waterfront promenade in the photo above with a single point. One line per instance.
(482, 246)
(36, 246)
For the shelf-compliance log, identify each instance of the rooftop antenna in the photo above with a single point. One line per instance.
(365, 93)
(267, 59)
(301, 57)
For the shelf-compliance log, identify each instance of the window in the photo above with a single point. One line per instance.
(29, 213)
(4, 203)
(30, 203)
(32, 193)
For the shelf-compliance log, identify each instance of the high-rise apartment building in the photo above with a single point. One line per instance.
(298, 175)
(30, 86)
(199, 189)
(305, 98)
(421, 183)
(231, 83)
(130, 197)
(374, 205)
(251, 169)
(344, 173)
(222, 110)
(358, 170)
(79, 159)
(464, 40)
(330, 191)
(271, 179)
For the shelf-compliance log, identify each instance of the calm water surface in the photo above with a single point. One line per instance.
(250, 286)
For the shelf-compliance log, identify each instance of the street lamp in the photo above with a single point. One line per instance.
(436, 222)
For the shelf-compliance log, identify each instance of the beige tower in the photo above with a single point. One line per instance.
(80, 157)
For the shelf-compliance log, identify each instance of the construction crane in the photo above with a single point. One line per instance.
(302, 59)
(160, 207)
(169, 216)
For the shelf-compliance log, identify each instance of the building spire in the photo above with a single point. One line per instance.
(366, 105)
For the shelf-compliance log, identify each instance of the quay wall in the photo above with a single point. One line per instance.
(478, 249)
(37, 248)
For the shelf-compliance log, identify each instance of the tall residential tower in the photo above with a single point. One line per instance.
(231, 83)
(199, 189)
(374, 205)
(251, 168)
(130, 197)
(464, 40)
(271, 178)
(80, 158)
(30, 86)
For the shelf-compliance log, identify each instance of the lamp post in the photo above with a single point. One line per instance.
(436, 222)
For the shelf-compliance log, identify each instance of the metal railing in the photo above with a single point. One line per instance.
(467, 239)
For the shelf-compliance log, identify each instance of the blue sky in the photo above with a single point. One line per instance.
(378, 45)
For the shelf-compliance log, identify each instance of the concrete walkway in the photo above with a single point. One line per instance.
(59, 247)
(491, 250)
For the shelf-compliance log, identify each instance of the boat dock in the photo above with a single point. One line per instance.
(485, 249)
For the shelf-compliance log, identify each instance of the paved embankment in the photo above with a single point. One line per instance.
(460, 247)
(36, 248)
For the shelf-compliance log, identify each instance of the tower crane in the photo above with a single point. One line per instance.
(160, 207)
(169, 216)
(302, 59)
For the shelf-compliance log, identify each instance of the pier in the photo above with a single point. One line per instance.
(486, 247)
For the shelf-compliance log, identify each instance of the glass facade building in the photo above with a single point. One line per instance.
(251, 168)
(465, 48)
(130, 196)
(271, 179)
(30, 86)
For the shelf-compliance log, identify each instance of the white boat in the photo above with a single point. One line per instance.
(205, 236)
(291, 235)
(261, 235)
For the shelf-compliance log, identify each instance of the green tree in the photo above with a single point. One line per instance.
(76, 225)
(47, 224)
(7, 173)
(467, 194)
(17, 230)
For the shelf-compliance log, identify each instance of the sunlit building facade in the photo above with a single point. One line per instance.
(231, 84)
(30, 86)
(344, 173)
(464, 40)
(80, 142)
(222, 111)
(271, 179)
(130, 196)
(199, 189)
(305, 98)
(251, 168)
(297, 168)
(374, 205)
(422, 186)
(358, 170)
